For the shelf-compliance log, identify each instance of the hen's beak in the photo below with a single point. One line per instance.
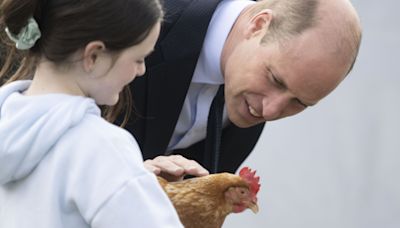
(253, 207)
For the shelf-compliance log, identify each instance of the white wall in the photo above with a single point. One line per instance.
(337, 165)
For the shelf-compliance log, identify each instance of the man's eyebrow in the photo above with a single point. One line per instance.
(283, 84)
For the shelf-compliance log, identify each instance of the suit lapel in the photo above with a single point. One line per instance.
(170, 79)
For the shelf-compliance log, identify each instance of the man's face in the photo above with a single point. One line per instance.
(265, 82)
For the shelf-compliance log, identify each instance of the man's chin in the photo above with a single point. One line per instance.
(242, 123)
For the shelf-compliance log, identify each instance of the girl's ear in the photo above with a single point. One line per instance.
(91, 55)
(259, 23)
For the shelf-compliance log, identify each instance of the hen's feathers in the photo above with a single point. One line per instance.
(201, 202)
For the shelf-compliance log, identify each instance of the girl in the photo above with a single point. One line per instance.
(61, 164)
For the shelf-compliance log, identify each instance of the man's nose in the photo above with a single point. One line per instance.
(274, 107)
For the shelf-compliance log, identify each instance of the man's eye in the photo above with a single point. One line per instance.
(140, 61)
(276, 81)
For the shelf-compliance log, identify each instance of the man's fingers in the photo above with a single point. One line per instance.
(195, 169)
(167, 165)
(152, 168)
(190, 167)
(176, 165)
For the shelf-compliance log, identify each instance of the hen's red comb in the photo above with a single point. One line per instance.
(251, 179)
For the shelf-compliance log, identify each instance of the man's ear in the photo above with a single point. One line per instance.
(259, 23)
(91, 54)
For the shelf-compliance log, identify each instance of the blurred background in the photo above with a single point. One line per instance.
(337, 165)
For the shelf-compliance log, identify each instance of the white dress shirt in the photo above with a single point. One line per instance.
(207, 77)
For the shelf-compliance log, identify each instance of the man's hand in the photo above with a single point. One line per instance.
(174, 167)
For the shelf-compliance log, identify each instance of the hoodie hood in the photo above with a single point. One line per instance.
(31, 125)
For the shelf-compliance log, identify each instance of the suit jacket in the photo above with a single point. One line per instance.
(159, 95)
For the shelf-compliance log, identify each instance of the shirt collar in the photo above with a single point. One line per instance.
(208, 68)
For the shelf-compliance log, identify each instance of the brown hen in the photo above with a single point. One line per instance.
(204, 202)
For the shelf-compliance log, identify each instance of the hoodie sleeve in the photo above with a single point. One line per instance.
(137, 204)
(108, 183)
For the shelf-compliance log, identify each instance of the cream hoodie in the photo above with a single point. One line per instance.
(62, 165)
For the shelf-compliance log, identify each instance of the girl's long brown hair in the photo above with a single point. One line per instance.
(66, 27)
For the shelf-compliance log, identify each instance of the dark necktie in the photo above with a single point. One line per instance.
(214, 130)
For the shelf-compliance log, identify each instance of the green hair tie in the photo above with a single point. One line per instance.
(27, 37)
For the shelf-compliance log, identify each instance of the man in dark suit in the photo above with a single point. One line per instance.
(274, 58)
